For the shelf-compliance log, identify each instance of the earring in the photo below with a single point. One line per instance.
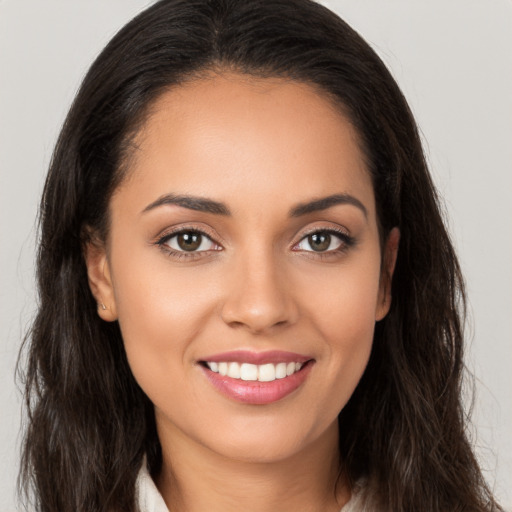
(102, 306)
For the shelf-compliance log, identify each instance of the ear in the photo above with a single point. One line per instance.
(100, 280)
(386, 274)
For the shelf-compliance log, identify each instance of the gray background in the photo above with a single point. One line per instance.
(453, 60)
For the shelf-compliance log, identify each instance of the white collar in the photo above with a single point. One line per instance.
(150, 500)
(147, 495)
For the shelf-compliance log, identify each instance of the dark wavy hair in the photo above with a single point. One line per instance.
(89, 423)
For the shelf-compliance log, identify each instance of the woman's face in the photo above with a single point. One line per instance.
(244, 266)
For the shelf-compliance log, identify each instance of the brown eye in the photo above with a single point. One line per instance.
(320, 241)
(189, 241)
(324, 241)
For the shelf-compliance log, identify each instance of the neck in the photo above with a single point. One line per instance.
(194, 478)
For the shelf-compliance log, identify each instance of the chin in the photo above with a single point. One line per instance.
(272, 441)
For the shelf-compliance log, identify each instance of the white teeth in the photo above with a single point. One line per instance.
(223, 368)
(252, 372)
(248, 371)
(280, 370)
(234, 370)
(267, 373)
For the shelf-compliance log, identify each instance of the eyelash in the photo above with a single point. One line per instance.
(190, 255)
(347, 242)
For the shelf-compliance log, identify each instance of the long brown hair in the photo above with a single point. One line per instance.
(89, 423)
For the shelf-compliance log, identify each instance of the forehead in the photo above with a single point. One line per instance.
(234, 136)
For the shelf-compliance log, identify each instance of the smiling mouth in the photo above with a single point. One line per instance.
(254, 372)
(257, 384)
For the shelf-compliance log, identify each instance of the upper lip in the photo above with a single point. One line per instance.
(247, 356)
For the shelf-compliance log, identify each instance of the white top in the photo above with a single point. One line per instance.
(147, 495)
(150, 500)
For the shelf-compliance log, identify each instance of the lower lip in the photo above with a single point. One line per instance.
(255, 392)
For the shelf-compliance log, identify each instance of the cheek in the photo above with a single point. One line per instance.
(160, 313)
(348, 330)
(342, 312)
(343, 303)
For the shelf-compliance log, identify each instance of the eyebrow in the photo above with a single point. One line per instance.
(199, 204)
(327, 202)
(202, 204)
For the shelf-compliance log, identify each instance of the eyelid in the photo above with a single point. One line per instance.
(342, 233)
(329, 228)
(162, 238)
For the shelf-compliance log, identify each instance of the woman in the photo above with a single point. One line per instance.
(248, 297)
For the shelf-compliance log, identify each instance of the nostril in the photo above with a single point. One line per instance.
(257, 318)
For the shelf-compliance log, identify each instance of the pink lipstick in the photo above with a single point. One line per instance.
(256, 377)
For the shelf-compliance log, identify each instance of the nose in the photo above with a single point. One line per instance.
(260, 298)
